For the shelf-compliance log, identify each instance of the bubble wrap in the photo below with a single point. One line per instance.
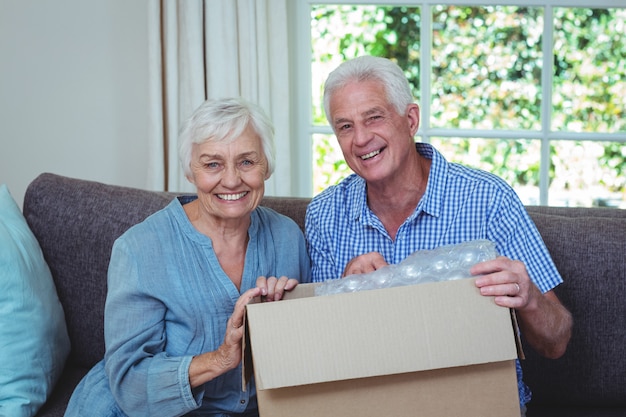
(444, 263)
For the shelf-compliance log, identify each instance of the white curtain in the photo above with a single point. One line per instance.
(203, 49)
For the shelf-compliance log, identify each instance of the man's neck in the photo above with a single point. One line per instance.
(394, 201)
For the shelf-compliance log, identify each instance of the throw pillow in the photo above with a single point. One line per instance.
(34, 343)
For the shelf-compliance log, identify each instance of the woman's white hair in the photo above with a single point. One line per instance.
(225, 120)
(370, 68)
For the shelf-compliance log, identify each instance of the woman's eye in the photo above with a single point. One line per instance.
(211, 165)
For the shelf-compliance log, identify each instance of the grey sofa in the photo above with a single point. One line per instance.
(76, 222)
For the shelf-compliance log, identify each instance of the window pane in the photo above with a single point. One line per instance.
(329, 167)
(486, 73)
(587, 173)
(486, 67)
(515, 161)
(339, 33)
(589, 70)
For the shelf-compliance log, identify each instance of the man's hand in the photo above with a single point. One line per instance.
(363, 264)
(545, 323)
(507, 281)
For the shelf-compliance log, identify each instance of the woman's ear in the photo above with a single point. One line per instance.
(268, 174)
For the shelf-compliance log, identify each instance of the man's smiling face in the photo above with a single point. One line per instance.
(374, 138)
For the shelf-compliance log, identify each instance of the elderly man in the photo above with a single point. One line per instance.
(404, 196)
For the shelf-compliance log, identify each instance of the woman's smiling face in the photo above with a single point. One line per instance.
(229, 176)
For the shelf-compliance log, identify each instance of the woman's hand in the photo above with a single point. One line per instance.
(210, 365)
(272, 288)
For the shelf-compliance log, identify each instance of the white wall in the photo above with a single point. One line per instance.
(73, 91)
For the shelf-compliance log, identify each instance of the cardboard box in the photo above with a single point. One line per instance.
(438, 349)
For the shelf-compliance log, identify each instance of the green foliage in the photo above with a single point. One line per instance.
(330, 167)
(516, 161)
(613, 158)
(486, 67)
(589, 70)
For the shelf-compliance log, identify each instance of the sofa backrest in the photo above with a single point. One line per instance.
(77, 221)
(588, 246)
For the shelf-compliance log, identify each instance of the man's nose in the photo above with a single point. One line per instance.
(361, 135)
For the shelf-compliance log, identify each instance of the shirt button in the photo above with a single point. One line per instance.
(242, 401)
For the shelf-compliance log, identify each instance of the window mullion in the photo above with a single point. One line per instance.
(301, 88)
(547, 81)
(426, 68)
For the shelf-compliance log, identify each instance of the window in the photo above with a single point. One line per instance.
(534, 94)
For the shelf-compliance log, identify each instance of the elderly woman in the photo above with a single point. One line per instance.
(179, 281)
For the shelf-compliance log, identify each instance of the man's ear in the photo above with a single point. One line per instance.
(413, 116)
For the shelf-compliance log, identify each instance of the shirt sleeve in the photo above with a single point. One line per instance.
(517, 237)
(144, 380)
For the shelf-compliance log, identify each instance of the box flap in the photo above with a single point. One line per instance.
(485, 390)
(380, 332)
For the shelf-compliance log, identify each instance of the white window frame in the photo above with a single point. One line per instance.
(304, 129)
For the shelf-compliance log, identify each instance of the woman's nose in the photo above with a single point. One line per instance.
(231, 177)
